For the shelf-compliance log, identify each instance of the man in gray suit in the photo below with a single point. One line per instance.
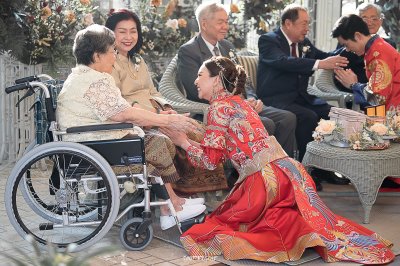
(212, 19)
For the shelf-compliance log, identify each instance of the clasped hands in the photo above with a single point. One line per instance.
(346, 76)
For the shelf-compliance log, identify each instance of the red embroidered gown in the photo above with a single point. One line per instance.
(273, 213)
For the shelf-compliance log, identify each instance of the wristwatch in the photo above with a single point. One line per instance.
(352, 84)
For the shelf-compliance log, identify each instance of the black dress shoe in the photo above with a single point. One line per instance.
(330, 177)
(388, 183)
(317, 182)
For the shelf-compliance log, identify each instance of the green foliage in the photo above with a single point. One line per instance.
(264, 13)
(391, 23)
(12, 35)
(238, 26)
(52, 257)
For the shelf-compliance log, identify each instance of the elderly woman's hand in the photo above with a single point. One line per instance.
(181, 122)
(168, 112)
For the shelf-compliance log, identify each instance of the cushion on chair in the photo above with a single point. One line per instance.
(250, 64)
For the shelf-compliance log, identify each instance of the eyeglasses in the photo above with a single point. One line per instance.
(371, 19)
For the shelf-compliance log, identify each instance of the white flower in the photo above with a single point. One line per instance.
(145, 29)
(172, 23)
(379, 129)
(325, 127)
(306, 49)
(88, 19)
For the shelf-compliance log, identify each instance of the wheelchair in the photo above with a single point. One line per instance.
(64, 192)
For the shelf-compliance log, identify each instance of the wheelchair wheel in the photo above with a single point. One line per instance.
(62, 193)
(133, 240)
(48, 212)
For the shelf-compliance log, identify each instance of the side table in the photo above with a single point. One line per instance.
(365, 169)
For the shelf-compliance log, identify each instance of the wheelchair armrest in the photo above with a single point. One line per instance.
(103, 127)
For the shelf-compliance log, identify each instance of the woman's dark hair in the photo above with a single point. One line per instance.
(94, 39)
(233, 76)
(124, 14)
(348, 25)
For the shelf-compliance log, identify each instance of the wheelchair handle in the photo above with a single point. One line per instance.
(18, 87)
(29, 85)
(33, 78)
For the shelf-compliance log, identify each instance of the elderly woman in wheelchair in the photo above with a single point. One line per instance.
(89, 96)
(66, 190)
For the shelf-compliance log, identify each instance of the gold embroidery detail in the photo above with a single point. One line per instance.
(381, 76)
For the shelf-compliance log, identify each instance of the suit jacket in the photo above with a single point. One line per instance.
(281, 78)
(191, 56)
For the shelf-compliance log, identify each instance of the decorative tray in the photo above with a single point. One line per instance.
(375, 147)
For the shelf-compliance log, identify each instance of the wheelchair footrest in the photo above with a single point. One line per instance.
(192, 221)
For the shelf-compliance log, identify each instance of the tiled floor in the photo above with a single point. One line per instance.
(158, 252)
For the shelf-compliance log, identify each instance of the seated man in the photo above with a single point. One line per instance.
(372, 15)
(212, 19)
(287, 60)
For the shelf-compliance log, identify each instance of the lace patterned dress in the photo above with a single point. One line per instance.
(273, 213)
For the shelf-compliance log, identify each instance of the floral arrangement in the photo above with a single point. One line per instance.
(163, 32)
(238, 26)
(51, 27)
(327, 130)
(393, 122)
(370, 137)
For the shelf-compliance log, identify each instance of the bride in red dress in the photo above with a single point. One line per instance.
(273, 213)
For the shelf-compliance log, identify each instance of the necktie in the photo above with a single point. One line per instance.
(216, 51)
(294, 50)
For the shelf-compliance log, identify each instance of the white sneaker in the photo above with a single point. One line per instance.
(167, 221)
(194, 201)
(188, 212)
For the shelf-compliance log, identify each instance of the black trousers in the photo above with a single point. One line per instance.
(308, 116)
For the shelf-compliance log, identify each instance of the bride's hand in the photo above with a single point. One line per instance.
(182, 123)
(179, 138)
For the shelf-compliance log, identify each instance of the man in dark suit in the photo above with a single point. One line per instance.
(212, 19)
(287, 59)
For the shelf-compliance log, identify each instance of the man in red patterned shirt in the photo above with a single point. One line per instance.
(382, 63)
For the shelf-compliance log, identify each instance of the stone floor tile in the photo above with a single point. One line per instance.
(165, 263)
(166, 253)
(151, 260)
(137, 255)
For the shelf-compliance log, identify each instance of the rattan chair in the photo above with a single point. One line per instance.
(169, 88)
(324, 83)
